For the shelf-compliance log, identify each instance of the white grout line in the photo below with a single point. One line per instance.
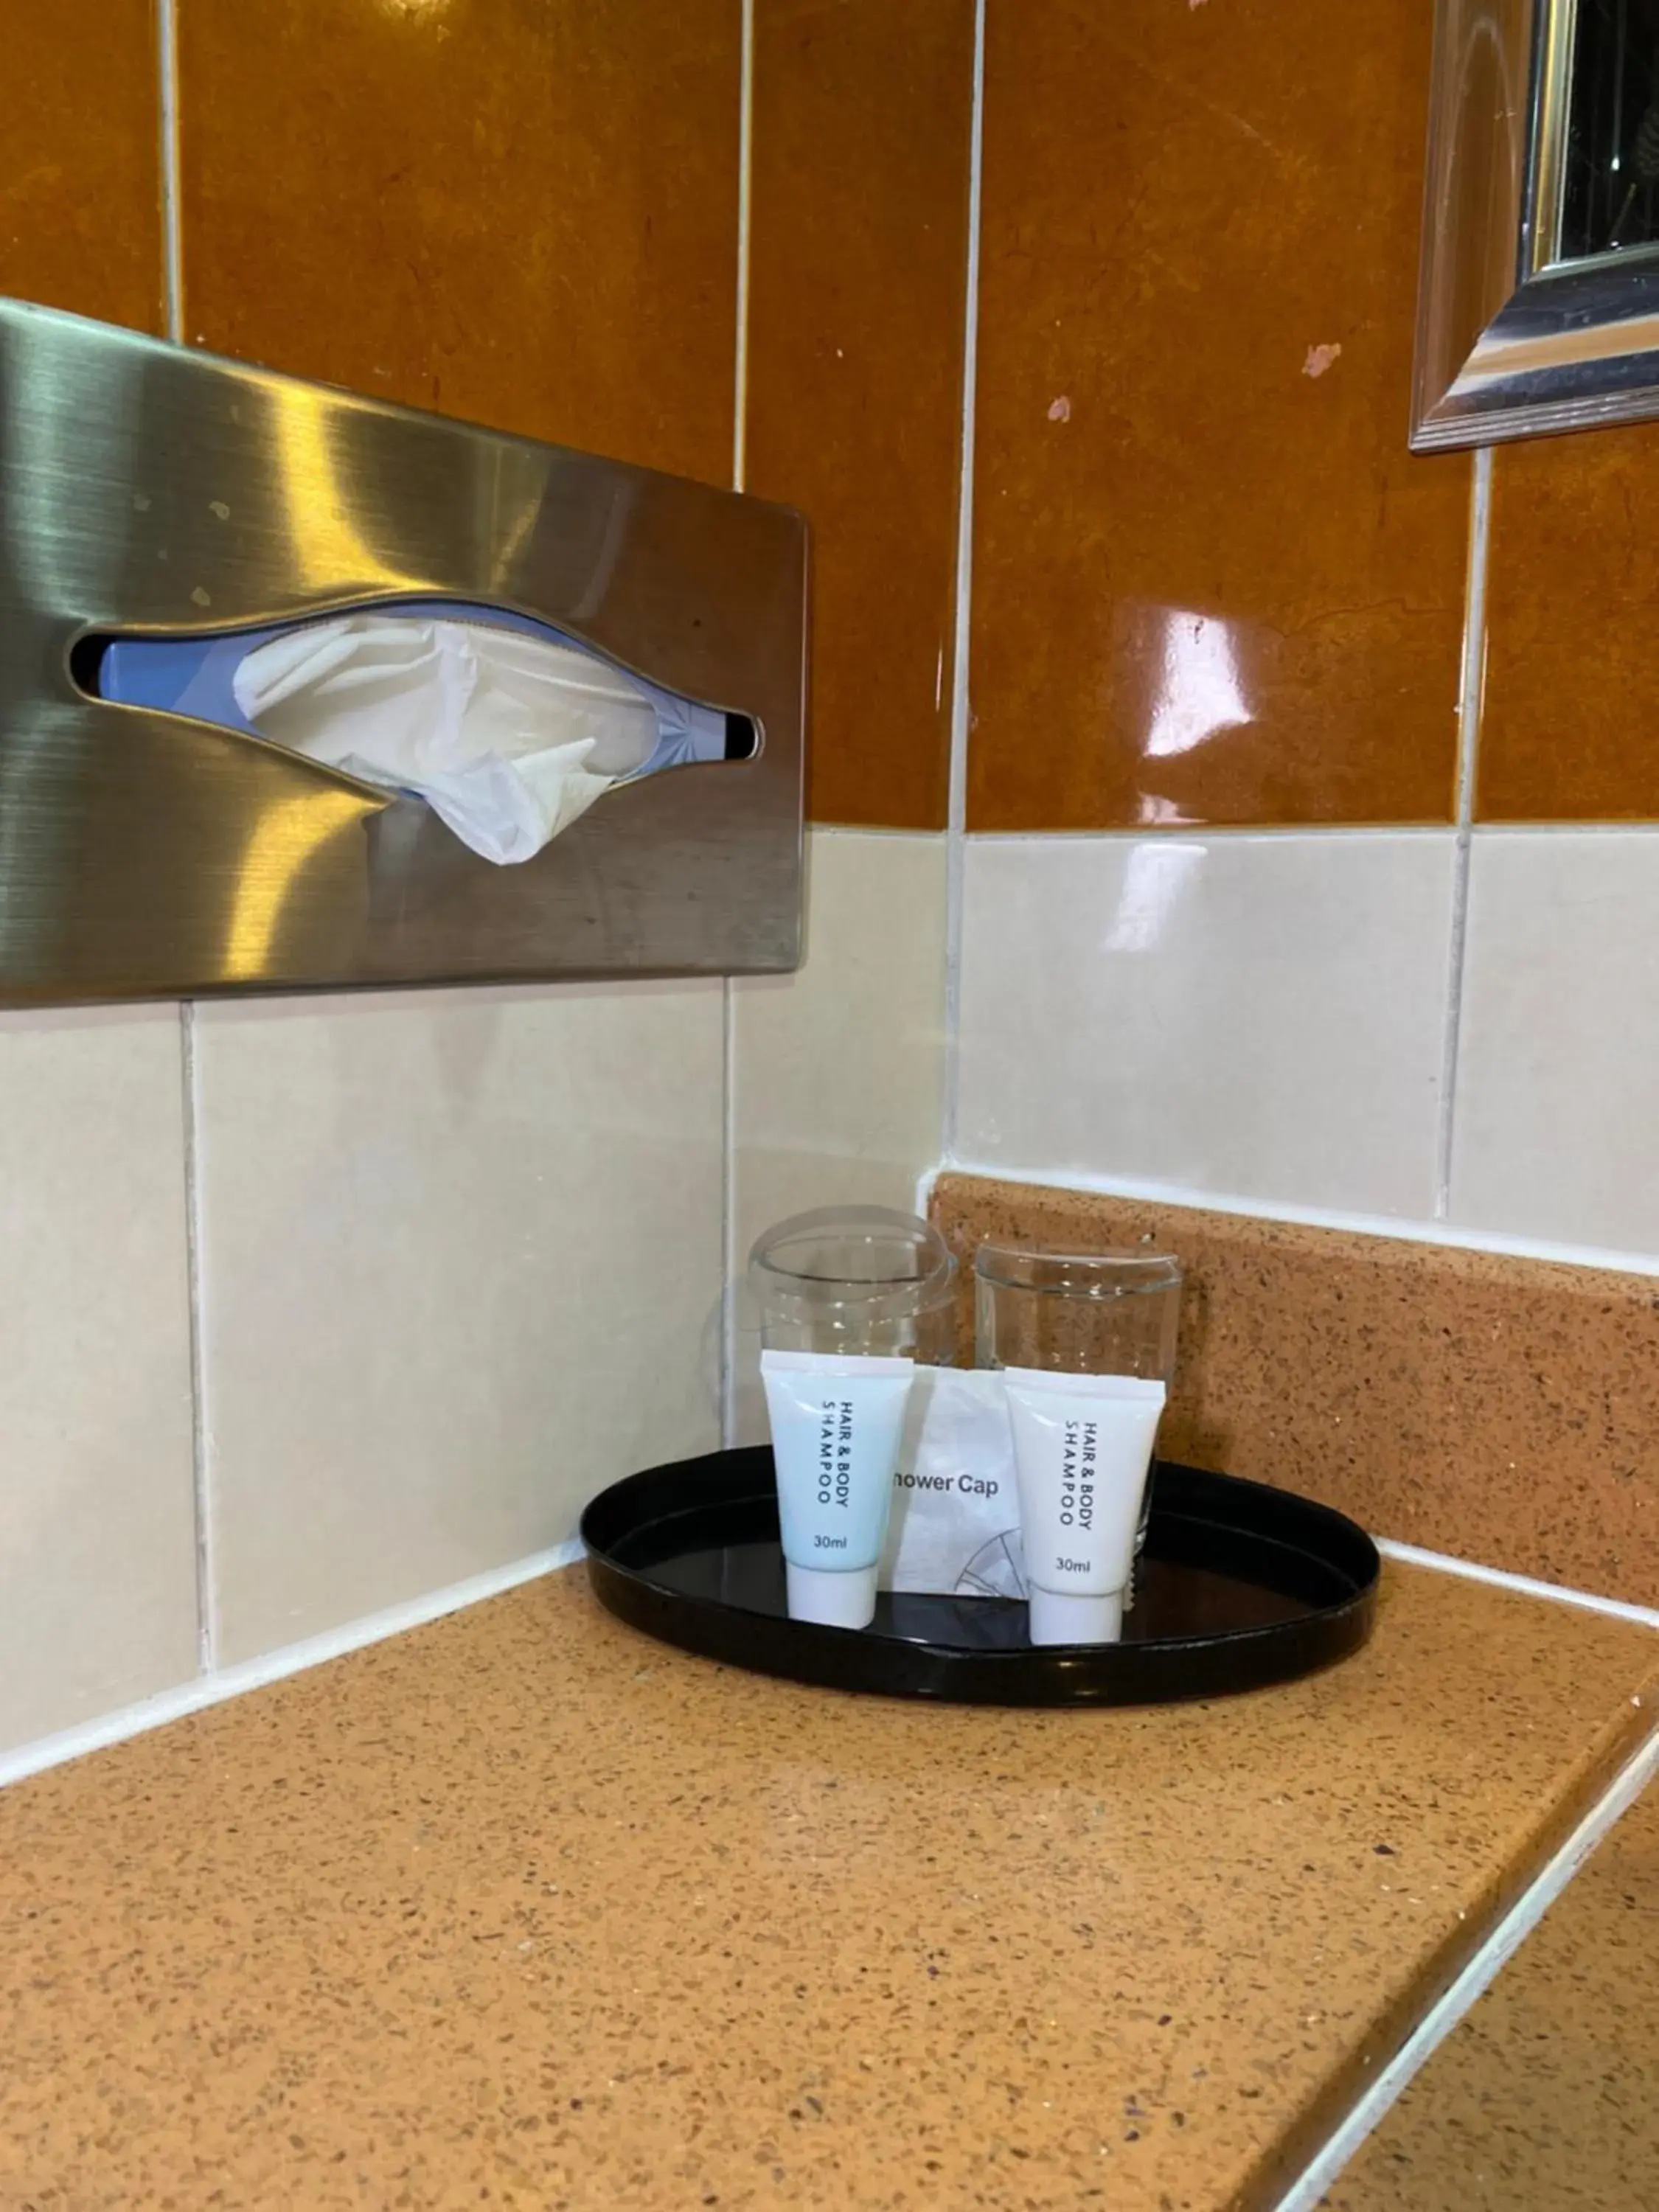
(746, 185)
(1617, 1608)
(1221, 833)
(956, 816)
(207, 1598)
(1647, 828)
(728, 1350)
(275, 1665)
(1471, 694)
(173, 258)
(877, 831)
(1482, 1970)
(1152, 1193)
(166, 37)
(1266, 833)
(729, 1344)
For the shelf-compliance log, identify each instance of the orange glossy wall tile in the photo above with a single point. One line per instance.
(1572, 652)
(521, 211)
(859, 252)
(1210, 583)
(80, 158)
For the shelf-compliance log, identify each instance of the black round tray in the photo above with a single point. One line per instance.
(1239, 1585)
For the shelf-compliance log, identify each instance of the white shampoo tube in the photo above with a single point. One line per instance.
(1083, 1446)
(836, 1426)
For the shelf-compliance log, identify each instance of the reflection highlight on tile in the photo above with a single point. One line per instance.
(1211, 585)
(1257, 1016)
(1196, 677)
(1154, 880)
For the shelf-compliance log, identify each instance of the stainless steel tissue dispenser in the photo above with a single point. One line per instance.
(148, 490)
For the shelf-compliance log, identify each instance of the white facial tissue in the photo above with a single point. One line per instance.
(954, 1527)
(508, 738)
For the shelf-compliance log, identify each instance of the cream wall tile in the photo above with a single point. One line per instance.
(840, 1068)
(1558, 1085)
(1254, 1015)
(97, 1503)
(460, 1258)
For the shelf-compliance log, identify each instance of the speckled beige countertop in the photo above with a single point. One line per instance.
(523, 1910)
(1547, 2095)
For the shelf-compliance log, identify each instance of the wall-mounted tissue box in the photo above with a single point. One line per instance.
(298, 689)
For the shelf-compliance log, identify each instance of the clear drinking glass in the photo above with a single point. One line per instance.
(1079, 1313)
(863, 1280)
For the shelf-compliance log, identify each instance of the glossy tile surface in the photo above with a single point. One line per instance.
(1262, 1016)
(522, 1907)
(1547, 2095)
(858, 263)
(97, 1512)
(1210, 583)
(80, 158)
(1567, 730)
(523, 214)
(840, 1068)
(1499, 1408)
(1557, 1080)
(460, 1262)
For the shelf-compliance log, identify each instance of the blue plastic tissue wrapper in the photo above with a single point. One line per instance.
(505, 806)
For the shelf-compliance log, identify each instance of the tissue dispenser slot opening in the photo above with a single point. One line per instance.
(507, 728)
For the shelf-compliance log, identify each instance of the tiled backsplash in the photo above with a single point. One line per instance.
(1558, 1071)
(1261, 1014)
(1294, 1020)
(841, 1068)
(458, 1258)
(457, 1261)
(1286, 688)
(97, 1511)
(454, 1260)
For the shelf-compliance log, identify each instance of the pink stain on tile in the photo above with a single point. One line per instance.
(1319, 359)
(1059, 411)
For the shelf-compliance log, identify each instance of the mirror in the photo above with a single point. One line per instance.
(1538, 308)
